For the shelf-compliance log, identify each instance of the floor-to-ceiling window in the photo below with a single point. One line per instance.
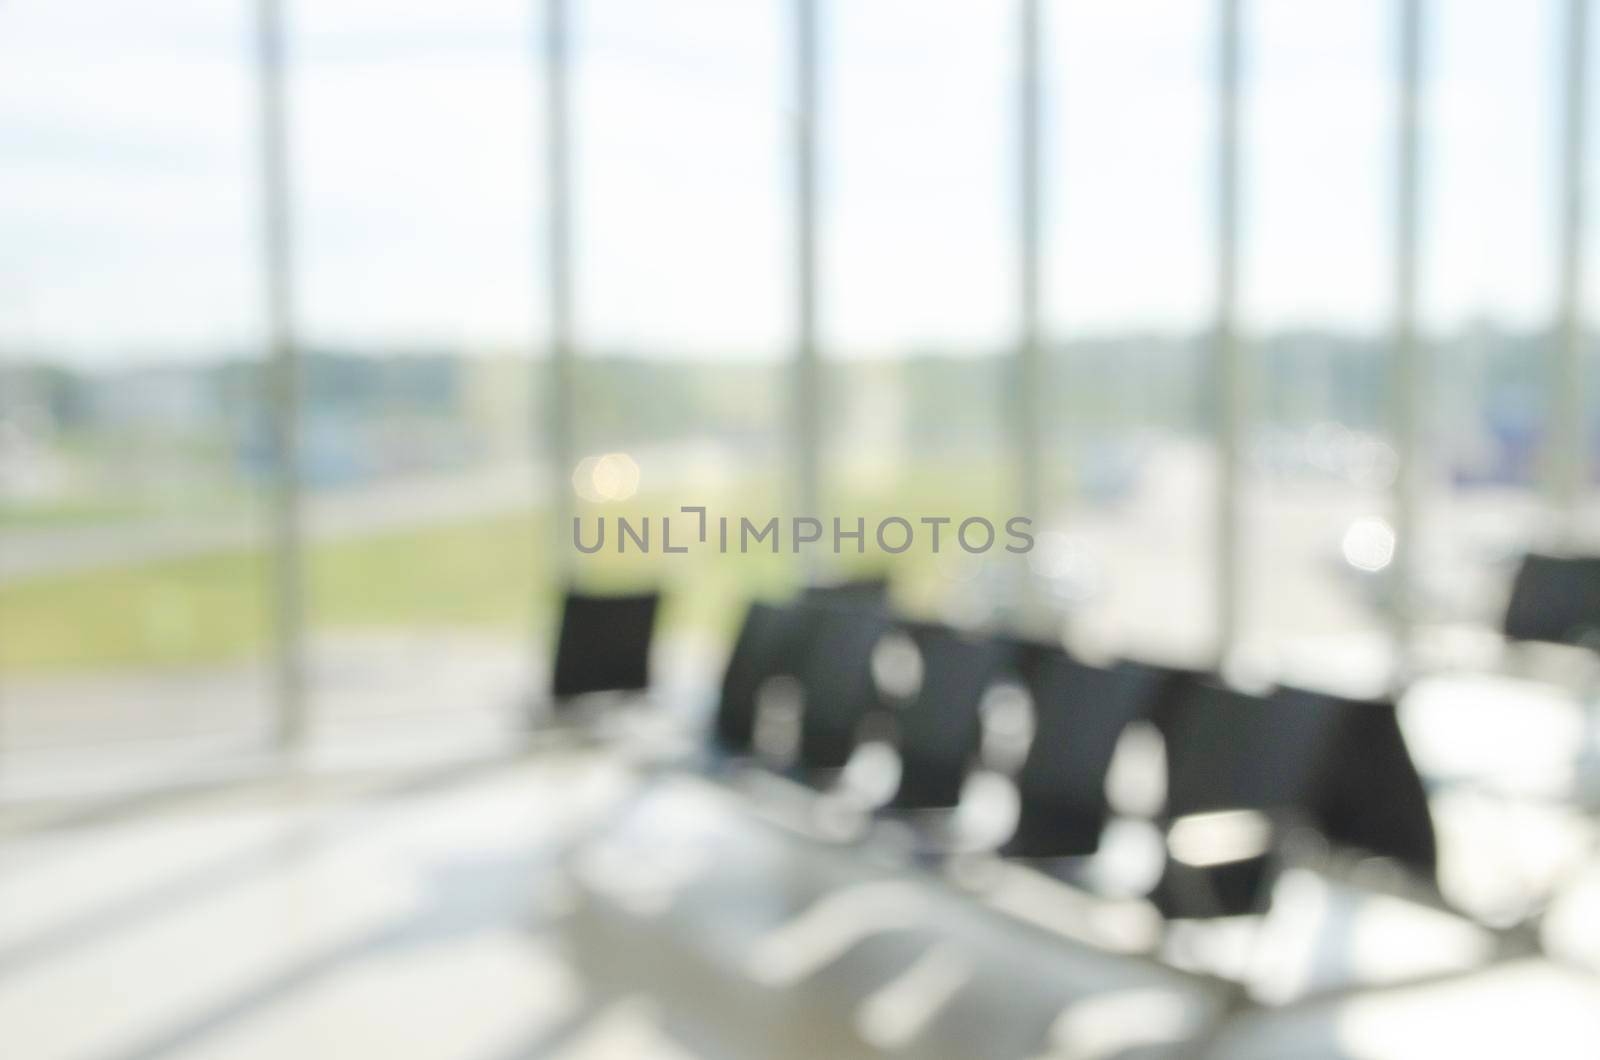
(683, 320)
(133, 599)
(1130, 252)
(136, 441)
(1318, 167)
(917, 182)
(413, 143)
(1491, 196)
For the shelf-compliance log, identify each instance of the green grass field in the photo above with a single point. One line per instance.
(489, 573)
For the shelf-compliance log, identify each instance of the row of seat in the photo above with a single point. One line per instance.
(605, 640)
(1296, 756)
(1306, 763)
(1299, 757)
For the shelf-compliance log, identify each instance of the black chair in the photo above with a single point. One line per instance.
(604, 644)
(1301, 759)
(1231, 750)
(1371, 798)
(939, 732)
(1555, 599)
(1080, 711)
(774, 641)
(836, 683)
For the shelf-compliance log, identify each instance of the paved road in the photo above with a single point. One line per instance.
(37, 551)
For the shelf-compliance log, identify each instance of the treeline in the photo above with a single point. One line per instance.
(1130, 379)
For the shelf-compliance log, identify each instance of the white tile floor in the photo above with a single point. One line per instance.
(281, 922)
(420, 912)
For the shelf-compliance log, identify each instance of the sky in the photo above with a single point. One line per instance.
(130, 194)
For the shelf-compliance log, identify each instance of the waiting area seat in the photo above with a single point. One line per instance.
(1080, 712)
(773, 643)
(837, 691)
(937, 734)
(604, 644)
(1555, 599)
(1296, 759)
(1281, 766)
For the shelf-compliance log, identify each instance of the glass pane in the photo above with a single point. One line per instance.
(1318, 177)
(1130, 237)
(918, 288)
(414, 147)
(683, 299)
(1488, 292)
(132, 575)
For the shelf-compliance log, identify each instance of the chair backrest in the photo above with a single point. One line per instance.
(938, 733)
(1079, 712)
(1229, 750)
(836, 683)
(774, 641)
(1337, 765)
(1555, 599)
(604, 644)
(1370, 796)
